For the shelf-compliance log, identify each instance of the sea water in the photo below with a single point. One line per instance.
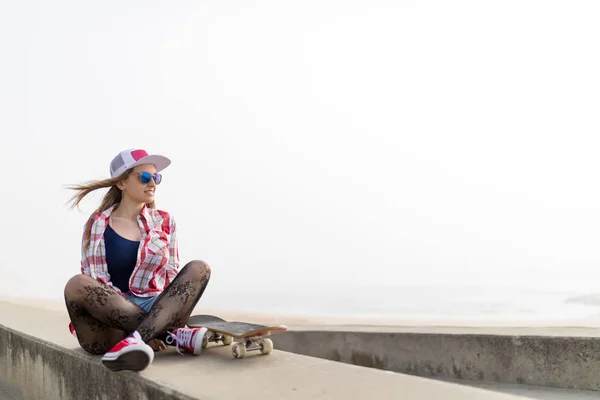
(419, 301)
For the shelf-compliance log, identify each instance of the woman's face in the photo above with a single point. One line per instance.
(135, 189)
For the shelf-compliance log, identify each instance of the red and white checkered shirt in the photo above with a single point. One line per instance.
(158, 254)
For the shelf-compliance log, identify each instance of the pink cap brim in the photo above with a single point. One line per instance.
(160, 162)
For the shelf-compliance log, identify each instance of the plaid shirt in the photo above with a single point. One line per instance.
(158, 254)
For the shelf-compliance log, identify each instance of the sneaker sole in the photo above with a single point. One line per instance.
(131, 361)
(198, 341)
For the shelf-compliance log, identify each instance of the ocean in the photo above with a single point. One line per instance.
(419, 301)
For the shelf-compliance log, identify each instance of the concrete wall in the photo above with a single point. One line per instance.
(36, 369)
(562, 362)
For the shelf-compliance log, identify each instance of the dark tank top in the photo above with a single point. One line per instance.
(121, 257)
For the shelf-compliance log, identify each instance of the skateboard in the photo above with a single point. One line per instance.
(251, 336)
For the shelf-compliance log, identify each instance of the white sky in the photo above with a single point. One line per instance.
(328, 143)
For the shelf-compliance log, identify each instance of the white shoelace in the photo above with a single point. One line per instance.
(183, 338)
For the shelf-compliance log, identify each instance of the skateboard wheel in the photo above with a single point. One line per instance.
(239, 350)
(205, 340)
(266, 346)
(227, 340)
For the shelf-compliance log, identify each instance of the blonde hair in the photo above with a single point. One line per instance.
(112, 197)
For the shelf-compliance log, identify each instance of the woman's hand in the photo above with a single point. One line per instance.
(157, 345)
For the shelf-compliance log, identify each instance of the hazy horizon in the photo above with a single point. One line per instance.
(316, 146)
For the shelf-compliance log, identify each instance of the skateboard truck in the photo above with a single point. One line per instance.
(252, 344)
(216, 338)
(239, 349)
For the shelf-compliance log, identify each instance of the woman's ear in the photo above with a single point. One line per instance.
(120, 185)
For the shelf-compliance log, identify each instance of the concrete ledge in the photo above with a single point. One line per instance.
(39, 359)
(560, 362)
(36, 369)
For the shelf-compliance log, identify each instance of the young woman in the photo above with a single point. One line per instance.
(131, 297)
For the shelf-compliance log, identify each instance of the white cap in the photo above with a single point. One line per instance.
(131, 157)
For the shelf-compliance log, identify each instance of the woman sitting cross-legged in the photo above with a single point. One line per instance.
(131, 297)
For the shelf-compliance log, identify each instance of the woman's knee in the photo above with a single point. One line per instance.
(75, 284)
(198, 269)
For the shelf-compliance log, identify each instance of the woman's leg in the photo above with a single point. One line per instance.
(100, 315)
(173, 307)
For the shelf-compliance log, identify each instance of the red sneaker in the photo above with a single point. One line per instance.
(72, 330)
(130, 353)
(189, 339)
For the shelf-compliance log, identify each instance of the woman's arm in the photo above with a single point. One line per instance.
(85, 255)
(173, 264)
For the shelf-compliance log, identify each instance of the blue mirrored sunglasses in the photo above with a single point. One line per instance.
(146, 176)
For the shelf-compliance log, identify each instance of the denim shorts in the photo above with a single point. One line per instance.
(145, 302)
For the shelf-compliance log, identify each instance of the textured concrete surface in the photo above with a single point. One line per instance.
(562, 362)
(533, 392)
(5, 393)
(40, 360)
(36, 369)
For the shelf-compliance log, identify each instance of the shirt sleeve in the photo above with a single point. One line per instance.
(87, 268)
(85, 257)
(87, 261)
(173, 264)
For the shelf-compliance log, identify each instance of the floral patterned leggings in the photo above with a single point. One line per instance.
(102, 317)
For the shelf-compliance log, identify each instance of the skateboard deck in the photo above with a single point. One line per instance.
(252, 335)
